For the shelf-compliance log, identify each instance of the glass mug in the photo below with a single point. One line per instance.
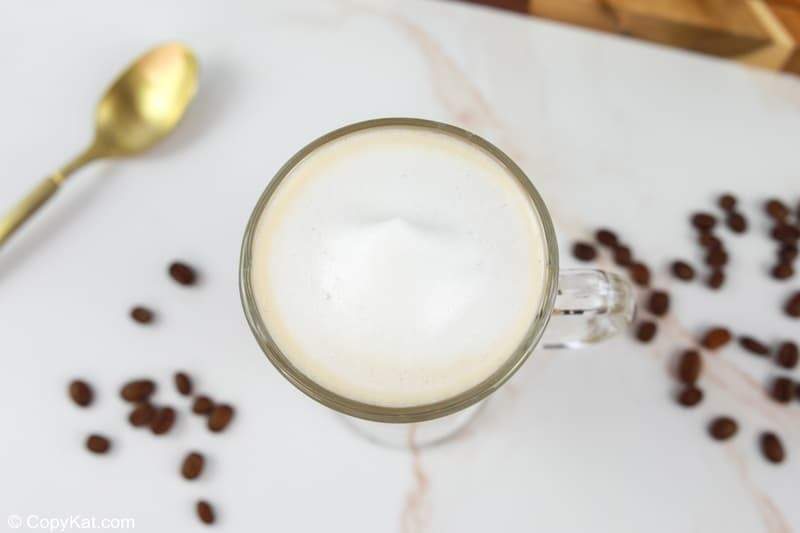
(578, 307)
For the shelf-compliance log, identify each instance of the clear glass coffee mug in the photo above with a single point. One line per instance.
(579, 307)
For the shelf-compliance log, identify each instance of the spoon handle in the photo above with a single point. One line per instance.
(26, 207)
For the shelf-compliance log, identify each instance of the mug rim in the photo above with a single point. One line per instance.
(422, 412)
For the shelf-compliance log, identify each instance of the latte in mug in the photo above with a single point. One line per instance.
(398, 265)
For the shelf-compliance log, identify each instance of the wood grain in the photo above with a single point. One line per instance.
(763, 33)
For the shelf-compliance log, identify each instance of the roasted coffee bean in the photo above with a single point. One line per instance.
(717, 257)
(682, 270)
(658, 303)
(703, 221)
(771, 447)
(736, 222)
(193, 465)
(782, 271)
(792, 306)
(716, 279)
(690, 396)
(716, 338)
(646, 330)
(781, 389)
(80, 392)
(727, 202)
(753, 346)
(723, 428)
(202, 405)
(98, 444)
(142, 315)
(797, 391)
(709, 242)
(689, 367)
(142, 415)
(606, 237)
(787, 253)
(182, 273)
(776, 209)
(220, 417)
(162, 421)
(584, 251)
(787, 355)
(640, 274)
(623, 256)
(785, 233)
(183, 383)
(137, 390)
(205, 512)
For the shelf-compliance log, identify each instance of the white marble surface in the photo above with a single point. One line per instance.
(610, 131)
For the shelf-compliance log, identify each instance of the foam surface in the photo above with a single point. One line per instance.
(398, 266)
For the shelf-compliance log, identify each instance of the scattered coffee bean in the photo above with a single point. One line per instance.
(709, 242)
(703, 221)
(690, 396)
(640, 274)
(727, 202)
(646, 330)
(623, 256)
(584, 251)
(781, 390)
(792, 306)
(776, 209)
(205, 512)
(202, 405)
(220, 417)
(689, 367)
(658, 303)
(723, 428)
(717, 257)
(182, 273)
(142, 415)
(606, 237)
(142, 315)
(736, 222)
(787, 253)
(785, 233)
(752, 345)
(716, 338)
(782, 271)
(138, 390)
(80, 392)
(797, 391)
(716, 279)
(192, 465)
(162, 421)
(787, 355)
(682, 270)
(771, 447)
(98, 444)
(183, 383)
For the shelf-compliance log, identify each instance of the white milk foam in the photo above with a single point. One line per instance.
(398, 266)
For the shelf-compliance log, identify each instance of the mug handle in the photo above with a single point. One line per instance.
(591, 305)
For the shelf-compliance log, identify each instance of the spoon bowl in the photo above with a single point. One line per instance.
(147, 101)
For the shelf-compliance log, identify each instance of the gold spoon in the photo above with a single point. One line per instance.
(145, 103)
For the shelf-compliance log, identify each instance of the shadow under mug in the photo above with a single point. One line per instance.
(579, 307)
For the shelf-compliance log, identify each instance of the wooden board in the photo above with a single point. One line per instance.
(763, 33)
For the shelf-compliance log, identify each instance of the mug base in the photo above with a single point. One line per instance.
(415, 435)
